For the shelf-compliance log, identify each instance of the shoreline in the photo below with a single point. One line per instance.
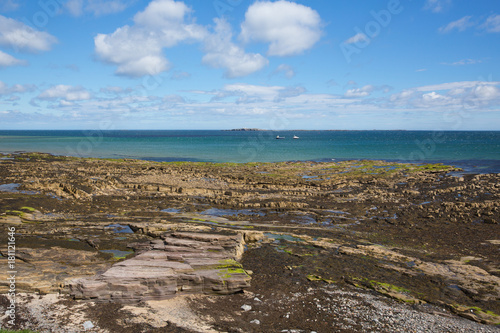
(473, 166)
(406, 244)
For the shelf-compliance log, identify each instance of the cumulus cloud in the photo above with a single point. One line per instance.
(11, 93)
(486, 92)
(437, 6)
(454, 94)
(459, 25)
(138, 50)
(365, 91)
(359, 92)
(434, 99)
(17, 88)
(6, 60)
(290, 28)
(65, 92)
(19, 36)
(223, 53)
(359, 37)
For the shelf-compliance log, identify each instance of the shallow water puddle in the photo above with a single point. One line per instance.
(170, 210)
(230, 212)
(117, 254)
(338, 212)
(12, 188)
(304, 219)
(120, 229)
(279, 237)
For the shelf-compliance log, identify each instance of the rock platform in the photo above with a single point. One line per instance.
(178, 263)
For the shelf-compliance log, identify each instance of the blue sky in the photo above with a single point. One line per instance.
(220, 64)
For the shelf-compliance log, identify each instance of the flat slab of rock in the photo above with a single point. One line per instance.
(179, 263)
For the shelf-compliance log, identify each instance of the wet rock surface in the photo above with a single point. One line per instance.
(422, 239)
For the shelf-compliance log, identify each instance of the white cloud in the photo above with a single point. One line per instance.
(434, 98)
(264, 95)
(17, 88)
(249, 93)
(492, 24)
(437, 6)
(222, 53)
(19, 36)
(65, 103)
(65, 92)
(138, 50)
(486, 92)
(359, 37)
(161, 13)
(6, 60)
(402, 97)
(455, 85)
(290, 28)
(366, 91)
(453, 94)
(359, 92)
(460, 25)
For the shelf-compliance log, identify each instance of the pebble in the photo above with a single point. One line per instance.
(246, 307)
(255, 321)
(88, 325)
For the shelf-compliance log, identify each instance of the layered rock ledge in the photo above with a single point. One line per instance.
(179, 263)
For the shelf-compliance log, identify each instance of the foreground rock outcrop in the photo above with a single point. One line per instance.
(422, 234)
(179, 263)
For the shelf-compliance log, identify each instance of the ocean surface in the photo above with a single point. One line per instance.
(475, 151)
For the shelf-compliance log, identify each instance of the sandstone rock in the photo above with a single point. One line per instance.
(180, 263)
(252, 236)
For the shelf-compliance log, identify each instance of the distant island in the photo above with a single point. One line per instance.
(245, 130)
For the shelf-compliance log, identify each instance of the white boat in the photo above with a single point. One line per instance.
(280, 137)
(295, 137)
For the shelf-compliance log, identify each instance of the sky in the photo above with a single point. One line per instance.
(222, 64)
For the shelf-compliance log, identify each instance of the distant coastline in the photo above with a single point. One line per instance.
(244, 130)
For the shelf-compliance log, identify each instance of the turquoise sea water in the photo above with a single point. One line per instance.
(473, 150)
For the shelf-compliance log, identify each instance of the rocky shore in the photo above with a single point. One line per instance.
(353, 246)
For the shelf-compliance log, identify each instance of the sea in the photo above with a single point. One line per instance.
(474, 151)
